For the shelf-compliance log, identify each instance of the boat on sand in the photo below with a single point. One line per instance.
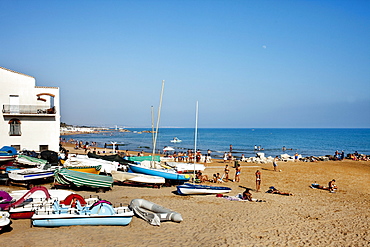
(168, 174)
(31, 174)
(200, 189)
(4, 220)
(23, 203)
(8, 153)
(100, 213)
(153, 213)
(81, 179)
(137, 178)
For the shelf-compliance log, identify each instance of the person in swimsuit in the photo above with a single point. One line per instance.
(296, 157)
(247, 195)
(273, 190)
(202, 178)
(332, 186)
(226, 171)
(275, 164)
(258, 180)
(237, 173)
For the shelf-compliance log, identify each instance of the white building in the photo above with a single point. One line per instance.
(30, 116)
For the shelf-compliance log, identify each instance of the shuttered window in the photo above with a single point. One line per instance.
(15, 127)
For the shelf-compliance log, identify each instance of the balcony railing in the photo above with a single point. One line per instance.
(27, 109)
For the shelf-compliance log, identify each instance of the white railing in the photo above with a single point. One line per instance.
(27, 109)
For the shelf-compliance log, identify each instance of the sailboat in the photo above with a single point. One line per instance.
(199, 189)
(169, 174)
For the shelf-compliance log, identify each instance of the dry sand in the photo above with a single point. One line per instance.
(311, 217)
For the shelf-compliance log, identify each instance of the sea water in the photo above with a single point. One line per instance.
(307, 142)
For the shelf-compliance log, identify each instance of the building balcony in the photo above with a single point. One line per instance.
(28, 110)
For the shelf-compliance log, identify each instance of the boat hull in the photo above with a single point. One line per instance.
(65, 176)
(7, 157)
(56, 220)
(89, 169)
(8, 153)
(186, 167)
(30, 174)
(26, 214)
(137, 178)
(4, 220)
(192, 189)
(167, 174)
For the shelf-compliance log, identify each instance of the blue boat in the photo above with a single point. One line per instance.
(8, 153)
(101, 213)
(200, 189)
(168, 174)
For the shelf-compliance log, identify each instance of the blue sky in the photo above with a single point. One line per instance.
(250, 64)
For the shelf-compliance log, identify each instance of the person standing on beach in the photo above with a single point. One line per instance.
(226, 172)
(231, 148)
(237, 173)
(296, 157)
(258, 180)
(230, 157)
(275, 163)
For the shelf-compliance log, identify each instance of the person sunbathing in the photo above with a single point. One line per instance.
(332, 187)
(247, 195)
(202, 178)
(273, 190)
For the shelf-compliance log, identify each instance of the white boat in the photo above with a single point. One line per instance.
(176, 140)
(169, 174)
(31, 173)
(39, 194)
(137, 178)
(84, 160)
(186, 167)
(153, 213)
(27, 201)
(199, 189)
(100, 213)
(4, 220)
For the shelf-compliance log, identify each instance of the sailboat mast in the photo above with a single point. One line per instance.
(159, 117)
(152, 110)
(195, 137)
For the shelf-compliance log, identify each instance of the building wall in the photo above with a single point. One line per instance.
(37, 129)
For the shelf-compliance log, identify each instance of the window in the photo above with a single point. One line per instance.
(43, 148)
(15, 127)
(17, 147)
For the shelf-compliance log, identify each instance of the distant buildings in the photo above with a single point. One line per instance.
(77, 130)
(30, 116)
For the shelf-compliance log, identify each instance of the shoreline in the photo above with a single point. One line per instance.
(272, 142)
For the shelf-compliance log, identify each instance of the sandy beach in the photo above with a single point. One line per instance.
(311, 217)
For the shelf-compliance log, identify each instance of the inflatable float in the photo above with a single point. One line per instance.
(153, 213)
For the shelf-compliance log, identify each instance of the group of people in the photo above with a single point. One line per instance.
(247, 195)
(191, 156)
(258, 148)
(357, 156)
